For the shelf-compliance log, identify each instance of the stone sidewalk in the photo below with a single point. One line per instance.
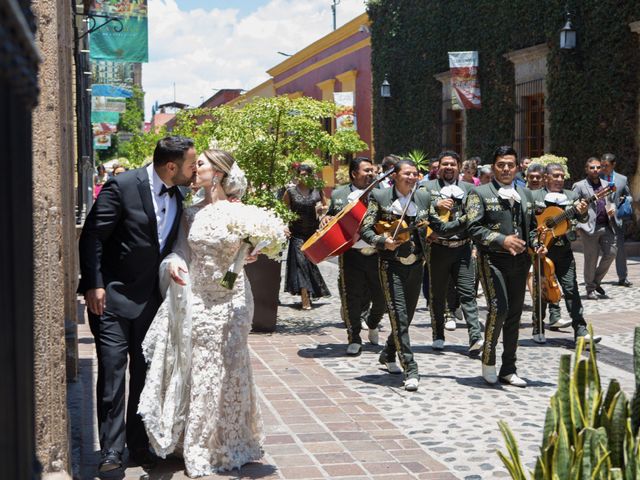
(331, 416)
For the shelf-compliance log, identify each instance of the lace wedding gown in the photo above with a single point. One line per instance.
(199, 395)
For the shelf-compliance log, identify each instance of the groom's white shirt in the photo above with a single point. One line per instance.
(165, 206)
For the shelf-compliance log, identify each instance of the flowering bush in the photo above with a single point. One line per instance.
(267, 137)
(548, 158)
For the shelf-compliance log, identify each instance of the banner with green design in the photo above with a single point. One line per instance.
(125, 39)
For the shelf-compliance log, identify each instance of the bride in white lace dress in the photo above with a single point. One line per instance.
(199, 397)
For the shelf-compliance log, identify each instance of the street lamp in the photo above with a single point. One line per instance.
(385, 88)
(567, 34)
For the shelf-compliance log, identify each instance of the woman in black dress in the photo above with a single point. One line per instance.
(303, 277)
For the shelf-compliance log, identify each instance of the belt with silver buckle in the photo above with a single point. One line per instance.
(366, 251)
(410, 260)
(451, 243)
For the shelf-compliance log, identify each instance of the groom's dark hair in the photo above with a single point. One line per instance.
(171, 149)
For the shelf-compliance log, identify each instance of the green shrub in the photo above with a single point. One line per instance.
(588, 433)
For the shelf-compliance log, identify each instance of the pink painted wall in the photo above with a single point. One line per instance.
(359, 60)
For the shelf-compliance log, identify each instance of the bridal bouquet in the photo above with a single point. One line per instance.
(261, 231)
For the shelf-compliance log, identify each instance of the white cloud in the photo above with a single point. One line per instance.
(201, 50)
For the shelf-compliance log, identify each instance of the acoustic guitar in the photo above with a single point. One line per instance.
(554, 221)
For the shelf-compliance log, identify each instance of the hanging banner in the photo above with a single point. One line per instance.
(465, 88)
(122, 40)
(104, 128)
(98, 90)
(105, 117)
(101, 142)
(345, 114)
(108, 104)
(114, 73)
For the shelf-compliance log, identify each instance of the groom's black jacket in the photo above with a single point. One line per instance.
(119, 248)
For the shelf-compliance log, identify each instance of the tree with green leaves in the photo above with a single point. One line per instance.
(266, 136)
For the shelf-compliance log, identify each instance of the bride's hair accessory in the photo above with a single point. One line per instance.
(234, 182)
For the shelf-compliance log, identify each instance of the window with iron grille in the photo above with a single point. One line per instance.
(530, 118)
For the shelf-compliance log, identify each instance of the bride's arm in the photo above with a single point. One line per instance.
(177, 261)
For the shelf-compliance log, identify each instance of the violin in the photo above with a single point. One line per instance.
(548, 281)
(398, 230)
(545, 272)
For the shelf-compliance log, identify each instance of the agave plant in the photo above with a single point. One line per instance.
(420, 158)
(587, 434)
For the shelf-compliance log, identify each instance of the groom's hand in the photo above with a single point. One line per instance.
(174, 273)
(95, 298)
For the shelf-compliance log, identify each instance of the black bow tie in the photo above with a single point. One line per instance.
(171, 190)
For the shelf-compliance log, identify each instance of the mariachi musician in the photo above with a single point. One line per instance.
(502, 224)
(561, 254)
(400, 263)
(449, 257)
(358, 281)
(401, 257)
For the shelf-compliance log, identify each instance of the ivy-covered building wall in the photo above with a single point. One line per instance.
(591, 92)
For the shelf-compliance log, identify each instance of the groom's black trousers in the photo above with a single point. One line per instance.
(116, 339)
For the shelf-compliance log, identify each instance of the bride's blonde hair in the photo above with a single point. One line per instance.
(234, 182)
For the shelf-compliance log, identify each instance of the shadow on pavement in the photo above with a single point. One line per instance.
(304, 326)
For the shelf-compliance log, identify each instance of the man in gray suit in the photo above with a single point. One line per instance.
(597, 232)
(608, 173)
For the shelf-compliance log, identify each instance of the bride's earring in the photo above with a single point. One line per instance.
(214, 183)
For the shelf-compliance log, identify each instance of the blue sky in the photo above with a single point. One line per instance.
(204, 45)
(245, 7)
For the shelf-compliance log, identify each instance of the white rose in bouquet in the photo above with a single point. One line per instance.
(262, 232)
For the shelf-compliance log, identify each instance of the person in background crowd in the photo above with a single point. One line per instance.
(535, 176)
(597, 233)
(535, 181)
(469, 170)
(485, 174)
(608, 173)
(388, 163)
(361, 295)
(99, 180)
(500, 220)
(434, 164)
(118, 169)
(303, 276)
(521, 179)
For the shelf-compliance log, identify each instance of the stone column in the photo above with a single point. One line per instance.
(54, 223)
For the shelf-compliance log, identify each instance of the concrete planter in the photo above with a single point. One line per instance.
(264, 276)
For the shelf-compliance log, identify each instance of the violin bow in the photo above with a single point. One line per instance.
(404, 212)
(539, 285)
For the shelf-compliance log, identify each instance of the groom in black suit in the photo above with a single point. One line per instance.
(129, 230)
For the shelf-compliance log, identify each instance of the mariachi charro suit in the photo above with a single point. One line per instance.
(503, 276)
(449, 257)
(400, 272)
(561, 254)
(361, 295)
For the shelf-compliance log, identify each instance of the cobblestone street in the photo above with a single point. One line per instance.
(331, 416)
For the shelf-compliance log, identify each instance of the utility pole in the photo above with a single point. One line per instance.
(334, 6)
